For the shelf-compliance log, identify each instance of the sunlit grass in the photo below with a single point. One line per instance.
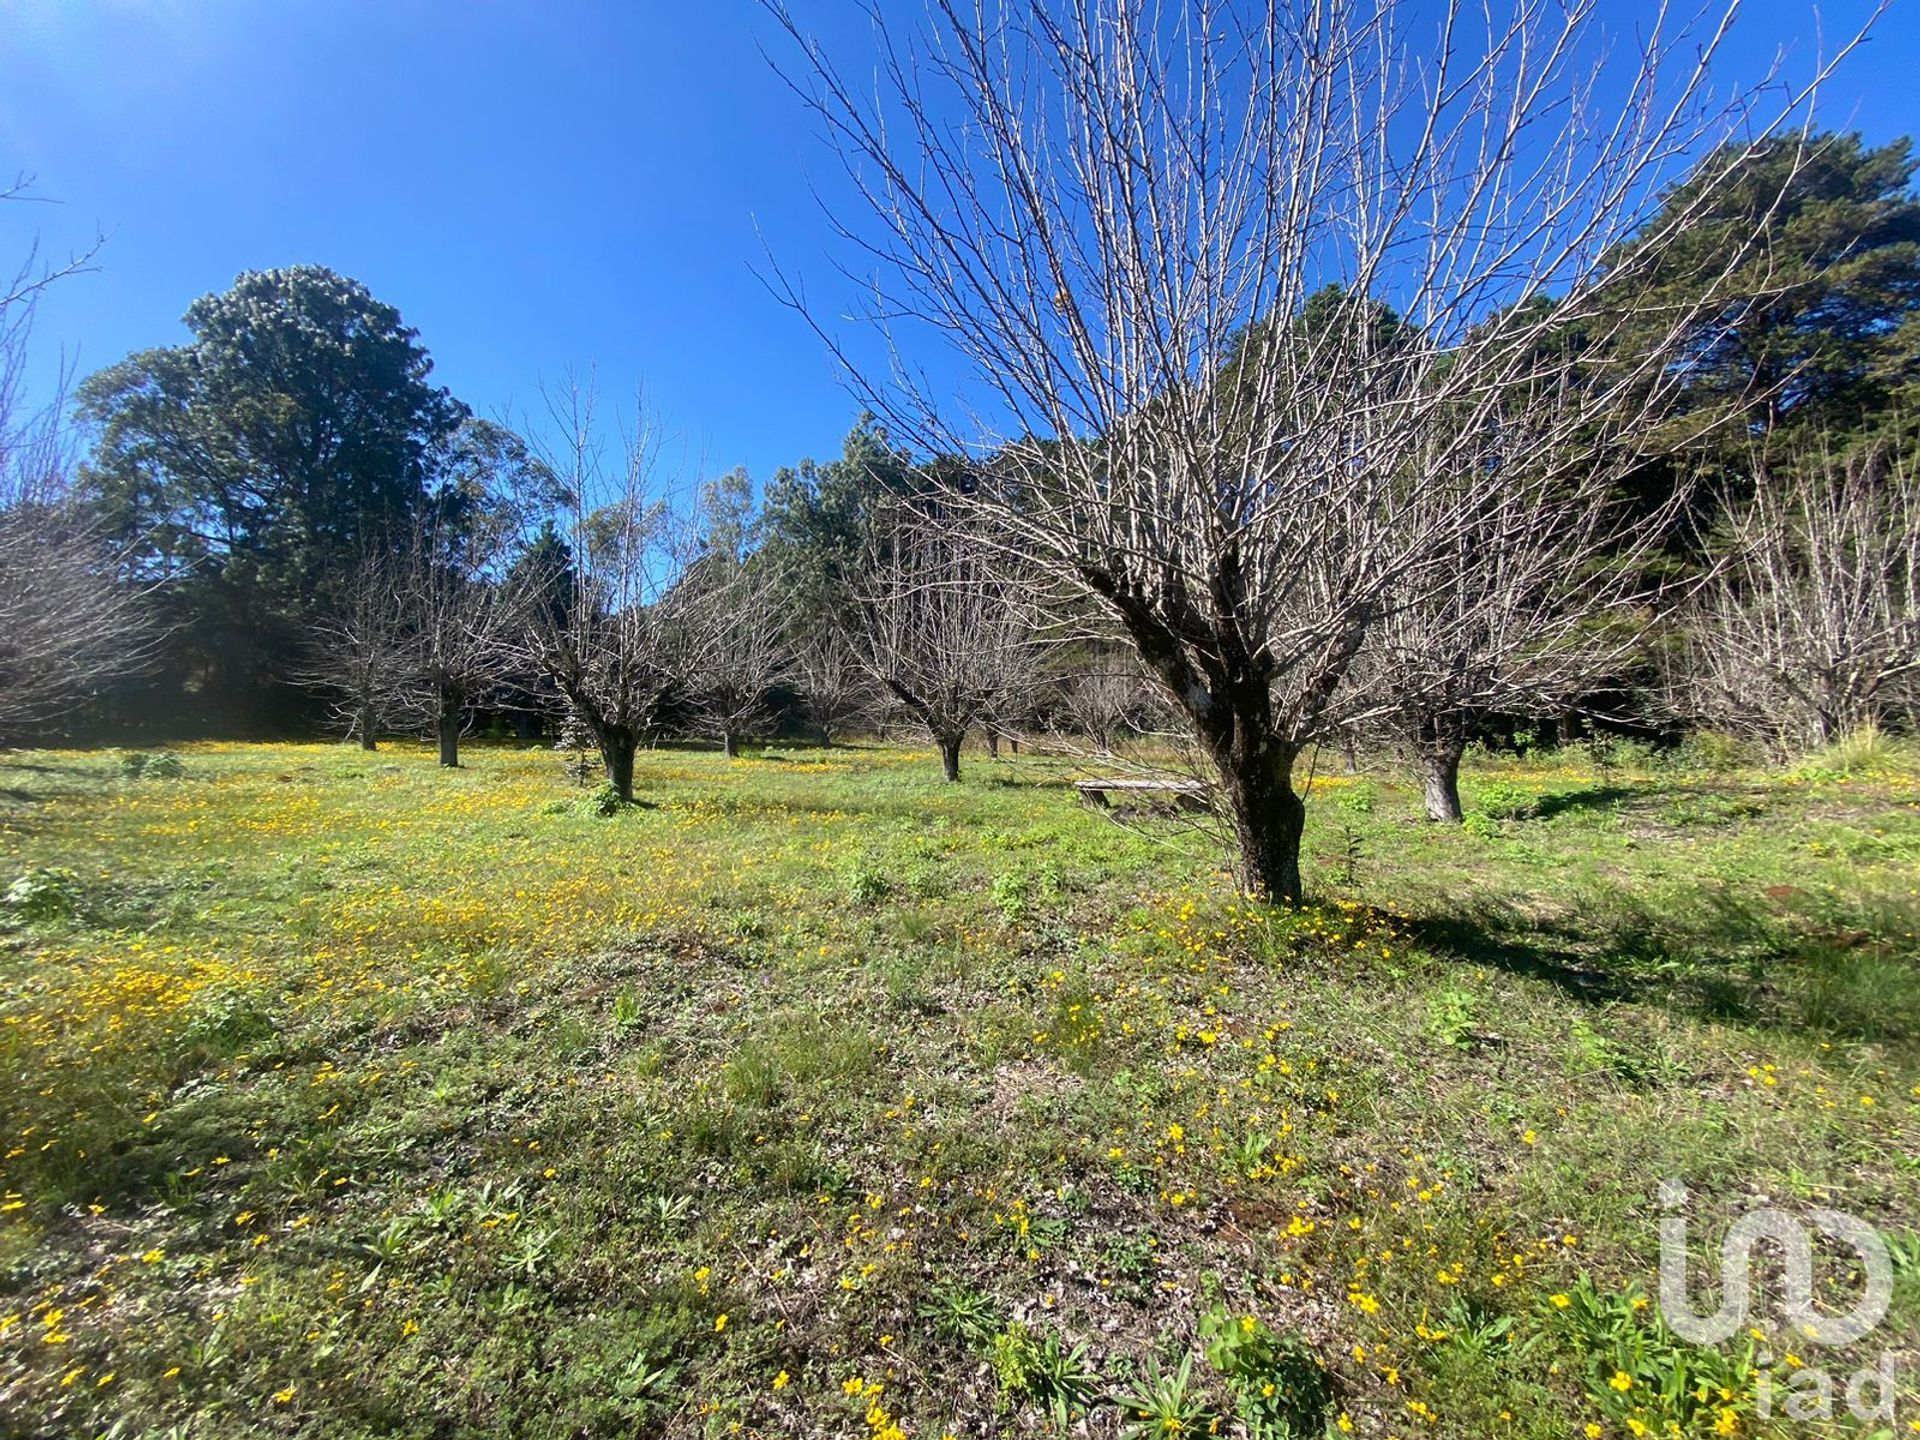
(349, 1094)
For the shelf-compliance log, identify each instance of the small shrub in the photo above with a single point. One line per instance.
(1352, 848)
(1280, 1387)
(1059, 1379)
(138, 765)
(1643, 1377)
(867, 887)
(44, 894)
(1503, 800)
(1009, 892)
(604, 800)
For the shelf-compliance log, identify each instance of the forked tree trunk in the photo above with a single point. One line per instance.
(1233, 719)
(949, 756)
(447, 727)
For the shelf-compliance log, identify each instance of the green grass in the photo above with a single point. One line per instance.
(344, 1096)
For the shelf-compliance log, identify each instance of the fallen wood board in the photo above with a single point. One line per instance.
(1188, 794)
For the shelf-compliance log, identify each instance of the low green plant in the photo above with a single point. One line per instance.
(1639, 1374)
(1009, 893)
(226, 1022)
(1050, 879)
(1868, 749)
(604, 800)
(1162, 1404)
(962, 1314)
(1503, 800)
(1359, 798)
(1713, 751)
(50, 892)
(1450, 1015)
(1059, 1378)
(163, 765)
(629, 1011)
(1280, 1387)
(867, 887)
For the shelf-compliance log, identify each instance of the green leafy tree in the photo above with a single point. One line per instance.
(295, 429)
(818, 519)
(1816, 330)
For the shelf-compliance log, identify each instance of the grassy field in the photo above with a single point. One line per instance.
(344, 1096)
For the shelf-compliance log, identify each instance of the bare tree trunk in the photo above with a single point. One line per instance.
(363, 728)
(1268, 815)
(1439, 770)
(1438, 743)
(616, 753)
(993, 742)
(950, 756)
(727, 744)
(447, 727)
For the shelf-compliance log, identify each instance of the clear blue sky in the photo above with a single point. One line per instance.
(536, 184)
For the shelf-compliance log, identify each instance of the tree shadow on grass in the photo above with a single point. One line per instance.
(1727, 961)
(1594, 797)
(1560, 961)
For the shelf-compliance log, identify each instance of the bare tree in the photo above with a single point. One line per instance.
(459, 619)
(732, 603)
(1811, 629)
(1159, 238)
(74, 617)
(1541, 594)
(835, 688)
(1105, 695)
(944, 629)
(454, 581)
(611, 645)
(361, 652)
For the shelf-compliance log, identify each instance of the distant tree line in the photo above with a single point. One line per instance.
(1669, 481)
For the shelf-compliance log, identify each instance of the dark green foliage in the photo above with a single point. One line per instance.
(1815, 332)
(818, 516)
(252, 464)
